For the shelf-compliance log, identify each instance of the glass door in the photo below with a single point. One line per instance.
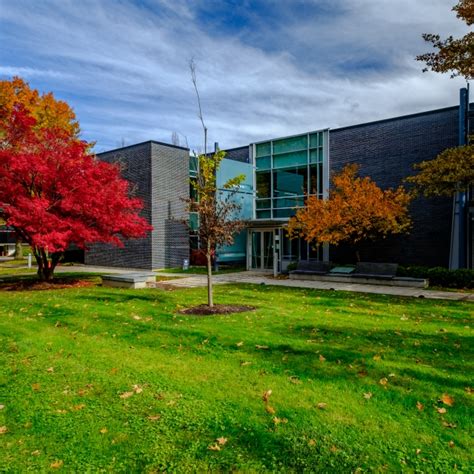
(262, 250)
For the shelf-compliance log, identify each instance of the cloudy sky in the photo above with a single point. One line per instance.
(265, 68)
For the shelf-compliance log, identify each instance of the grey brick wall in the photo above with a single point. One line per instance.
(135, 161)
(170, 178)
(159, 174)
(386, 151)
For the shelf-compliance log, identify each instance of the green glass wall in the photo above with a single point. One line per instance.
(287, 170)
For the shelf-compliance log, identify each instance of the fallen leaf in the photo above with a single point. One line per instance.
(154, 417)
(50, 369)
(469, 390)
(136, 317)
(263, 348)
(311, 442)
(240, 344)
(418, 451)
(222, 440)
(449, 425)
(451, 444)
(3, 430)
(277, 420)
(61, 411)
(270, 409)
(322, 405)
(368, 395)
(36, 452)
(322, 358)
(377, 357)
(245, 363)
(266, 395)
(79, 407)
(447, 399)
(294, 379)
(103, 430)
(2, 407)
(441, 410)
(383, 381)
(214, 447)
(36, 386)
(56, 464)
(113, 370)
(137, 389)
(362, 373)
(420, 406)
(126, 394)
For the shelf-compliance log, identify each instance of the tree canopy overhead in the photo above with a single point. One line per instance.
(454, 55)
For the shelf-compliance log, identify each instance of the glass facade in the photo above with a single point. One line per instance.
(287, 170)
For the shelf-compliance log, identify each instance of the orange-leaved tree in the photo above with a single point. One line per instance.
(357, 210)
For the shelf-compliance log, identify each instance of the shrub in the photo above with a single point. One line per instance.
(440, 276)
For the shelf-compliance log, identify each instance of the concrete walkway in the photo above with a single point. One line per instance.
(192, 281)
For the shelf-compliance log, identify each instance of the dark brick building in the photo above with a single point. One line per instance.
(160, 176)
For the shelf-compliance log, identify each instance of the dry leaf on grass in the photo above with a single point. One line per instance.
(137, 389)
(269, 409)
(240, 344)
(50, 369)
(322, 405)
(368, 395)
(36, 452)
(36, 386)
(3, 430)
(214, 447)
(311, 442)
(383, 381)
(221, 441)
(2, 407)
(377, 357)
(322, 358)
(420, 406)
(266, 395)
(451, 444)
(103, 430)
(243, 364)
(263, 348)
(126, 394)
(441, 410)
(447, 399)
(79, 407)
(56, 464)
(153, 417)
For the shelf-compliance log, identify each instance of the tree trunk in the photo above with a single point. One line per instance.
(18, 250)
(210, 300)
(46, 266)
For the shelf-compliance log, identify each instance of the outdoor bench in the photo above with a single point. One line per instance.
(129, 280)
(312, 268)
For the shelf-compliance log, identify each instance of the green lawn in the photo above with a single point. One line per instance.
(202, 270)
(101, 379)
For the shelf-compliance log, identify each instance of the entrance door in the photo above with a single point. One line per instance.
(262, 250)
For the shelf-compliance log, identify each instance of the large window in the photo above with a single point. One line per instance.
(287, 170)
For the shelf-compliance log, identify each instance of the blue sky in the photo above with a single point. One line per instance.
(265, 68)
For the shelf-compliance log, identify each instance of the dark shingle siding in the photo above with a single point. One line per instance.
(386, 151)
(238, 154)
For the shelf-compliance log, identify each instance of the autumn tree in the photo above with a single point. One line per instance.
(217, 209)
(48, 112)
(453, 55)
(55, 193)
(357, 210)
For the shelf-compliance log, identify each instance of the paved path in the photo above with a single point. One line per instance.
(189, 281)
(198, 280)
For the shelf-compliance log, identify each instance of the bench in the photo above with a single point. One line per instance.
(129, 280)
(309, 267)
(380, 271)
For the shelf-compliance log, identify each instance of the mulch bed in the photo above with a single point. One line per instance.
(204, 310)
(35, 285)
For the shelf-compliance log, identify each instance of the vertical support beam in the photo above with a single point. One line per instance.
(458, 250)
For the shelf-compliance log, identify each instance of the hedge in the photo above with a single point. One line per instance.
(439, 276)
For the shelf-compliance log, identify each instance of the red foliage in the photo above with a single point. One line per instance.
(54, 193)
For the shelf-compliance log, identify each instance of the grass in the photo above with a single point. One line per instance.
(104, 379)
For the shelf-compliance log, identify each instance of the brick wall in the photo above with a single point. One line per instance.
(135, 161)
(386, 151)
(159, 174)
(170, 177)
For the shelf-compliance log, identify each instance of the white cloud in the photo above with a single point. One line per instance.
(123, 67)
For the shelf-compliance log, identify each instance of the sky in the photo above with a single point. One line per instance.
(264, 68)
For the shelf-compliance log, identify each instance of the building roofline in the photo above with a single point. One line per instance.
(144, 143)
(416, 114)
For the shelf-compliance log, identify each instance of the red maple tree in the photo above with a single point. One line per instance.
(55, 193)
